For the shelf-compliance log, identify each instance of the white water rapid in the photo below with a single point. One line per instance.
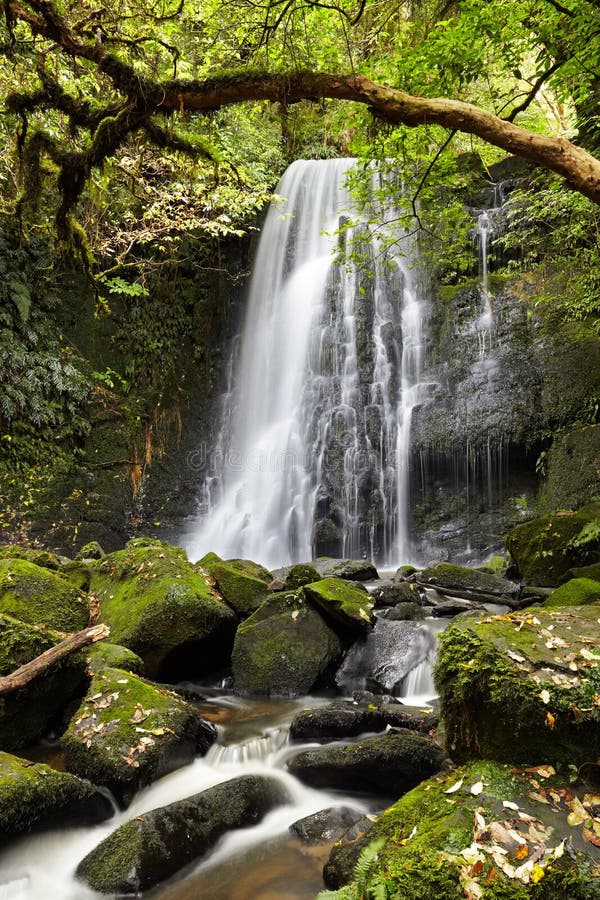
(313, 454)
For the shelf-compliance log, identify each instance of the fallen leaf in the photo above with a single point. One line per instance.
(515, 656)
(537, 873)
(522, 851)
(508, 804)
(550, 720)
(295, 614)
(545, 696)
(578, 814)
(455, 787)
(477, 788)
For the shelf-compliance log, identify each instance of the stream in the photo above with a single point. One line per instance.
(263, 862)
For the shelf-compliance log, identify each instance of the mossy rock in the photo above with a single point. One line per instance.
(577, 592)
(496, 565)
(91, 550)
(387, 764)
(77, 573)
(43, 558)
(347, 608)
(592, 572)
(350, 569)
(285, 648)
(242, 583)
(127, 733)
(153, 846)
(435, 845)
(299, 575)
(522, 687)
(40, 597)
(114, 656)
(27, 713)
(157, 605)
(461, 578)
(34, 797)
(545, 549)
(573, 468)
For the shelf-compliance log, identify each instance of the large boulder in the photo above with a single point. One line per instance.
(127, 733)
(157, 605)
(27, 713)
(104, 654)
(339, 868)
(545, 549)
(349, 718)
(243, 583)
(382, 662)
(460, 580)
(576, 592)
(296, 576)
(153, 846)
(37, 595)
(522, 687)
(33, 797)
(388, 764)
(396, 592)
(285, 648)
(346, 607)
(482, 832)
(350, 569)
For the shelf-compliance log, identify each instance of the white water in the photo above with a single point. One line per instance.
(313, 454)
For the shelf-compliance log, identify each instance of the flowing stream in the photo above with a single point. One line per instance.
(313, 453)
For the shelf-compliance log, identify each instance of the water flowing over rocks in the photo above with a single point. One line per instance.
(150, 848)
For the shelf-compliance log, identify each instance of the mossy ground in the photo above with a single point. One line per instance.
(523, 687)
(38, 596)
(127, 732)
(154, 601)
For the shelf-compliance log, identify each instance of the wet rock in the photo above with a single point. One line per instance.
(424, 837)
(347, 608)
(446, 577)
(349, 718)
(157, 605)
(34, 797)
(153, 846)
(388, 764)
(403, 573)
(285, 648)
(114, 656)
(454, 606)
(545, 549)
(394, 593)
(528, 697)
(243, 583)
(339, 868)
(327, 825)
(577, 592)
(127, 733)
(389, 653)
(402, 612)
(27, 713)
(350, 569)
(592, 572)
(40, 597)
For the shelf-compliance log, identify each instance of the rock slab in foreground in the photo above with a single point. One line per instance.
(155, 845)
(33, 796)
(127, 733)
(285, 648)
(522, 687)
(389, 764)
(482, 832)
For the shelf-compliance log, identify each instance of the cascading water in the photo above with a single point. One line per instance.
(314, 458)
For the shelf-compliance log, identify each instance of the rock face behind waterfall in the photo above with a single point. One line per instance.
(389, 653)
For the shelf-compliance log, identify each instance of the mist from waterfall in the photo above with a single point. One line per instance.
(313, 452)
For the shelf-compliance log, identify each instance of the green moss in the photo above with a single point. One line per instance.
(154, 602)
(127, 732)
(104, 654)
(242, 582)
(577, 592)
(544, 549)
(26, 714)
(343, 604)
(34, 796)
(43, 558)
(91, 550)
(573, 469)
(493, 674)
(299, 575)
(40, 597)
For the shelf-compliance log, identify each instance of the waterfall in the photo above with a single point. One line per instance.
(314, 451)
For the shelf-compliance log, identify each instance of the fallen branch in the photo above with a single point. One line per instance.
(28, 672)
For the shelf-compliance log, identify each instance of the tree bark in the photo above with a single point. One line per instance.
(26, 673)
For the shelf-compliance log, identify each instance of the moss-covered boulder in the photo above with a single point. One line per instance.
(388, 764)
(577, 592)
(43, 558)
(592, 572)
(114, 656)
(40, 597)
(294, 577)
(448, 577)
(285, 648)
(522, 687)
(127, 733)
(91, 550)
(396, 592)
(161, 608)
(243, 583)
(545, 549)
(350, 569)
(34, 797)
(346, 607)
(27, 713)
(483, 832)
(153, 846)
